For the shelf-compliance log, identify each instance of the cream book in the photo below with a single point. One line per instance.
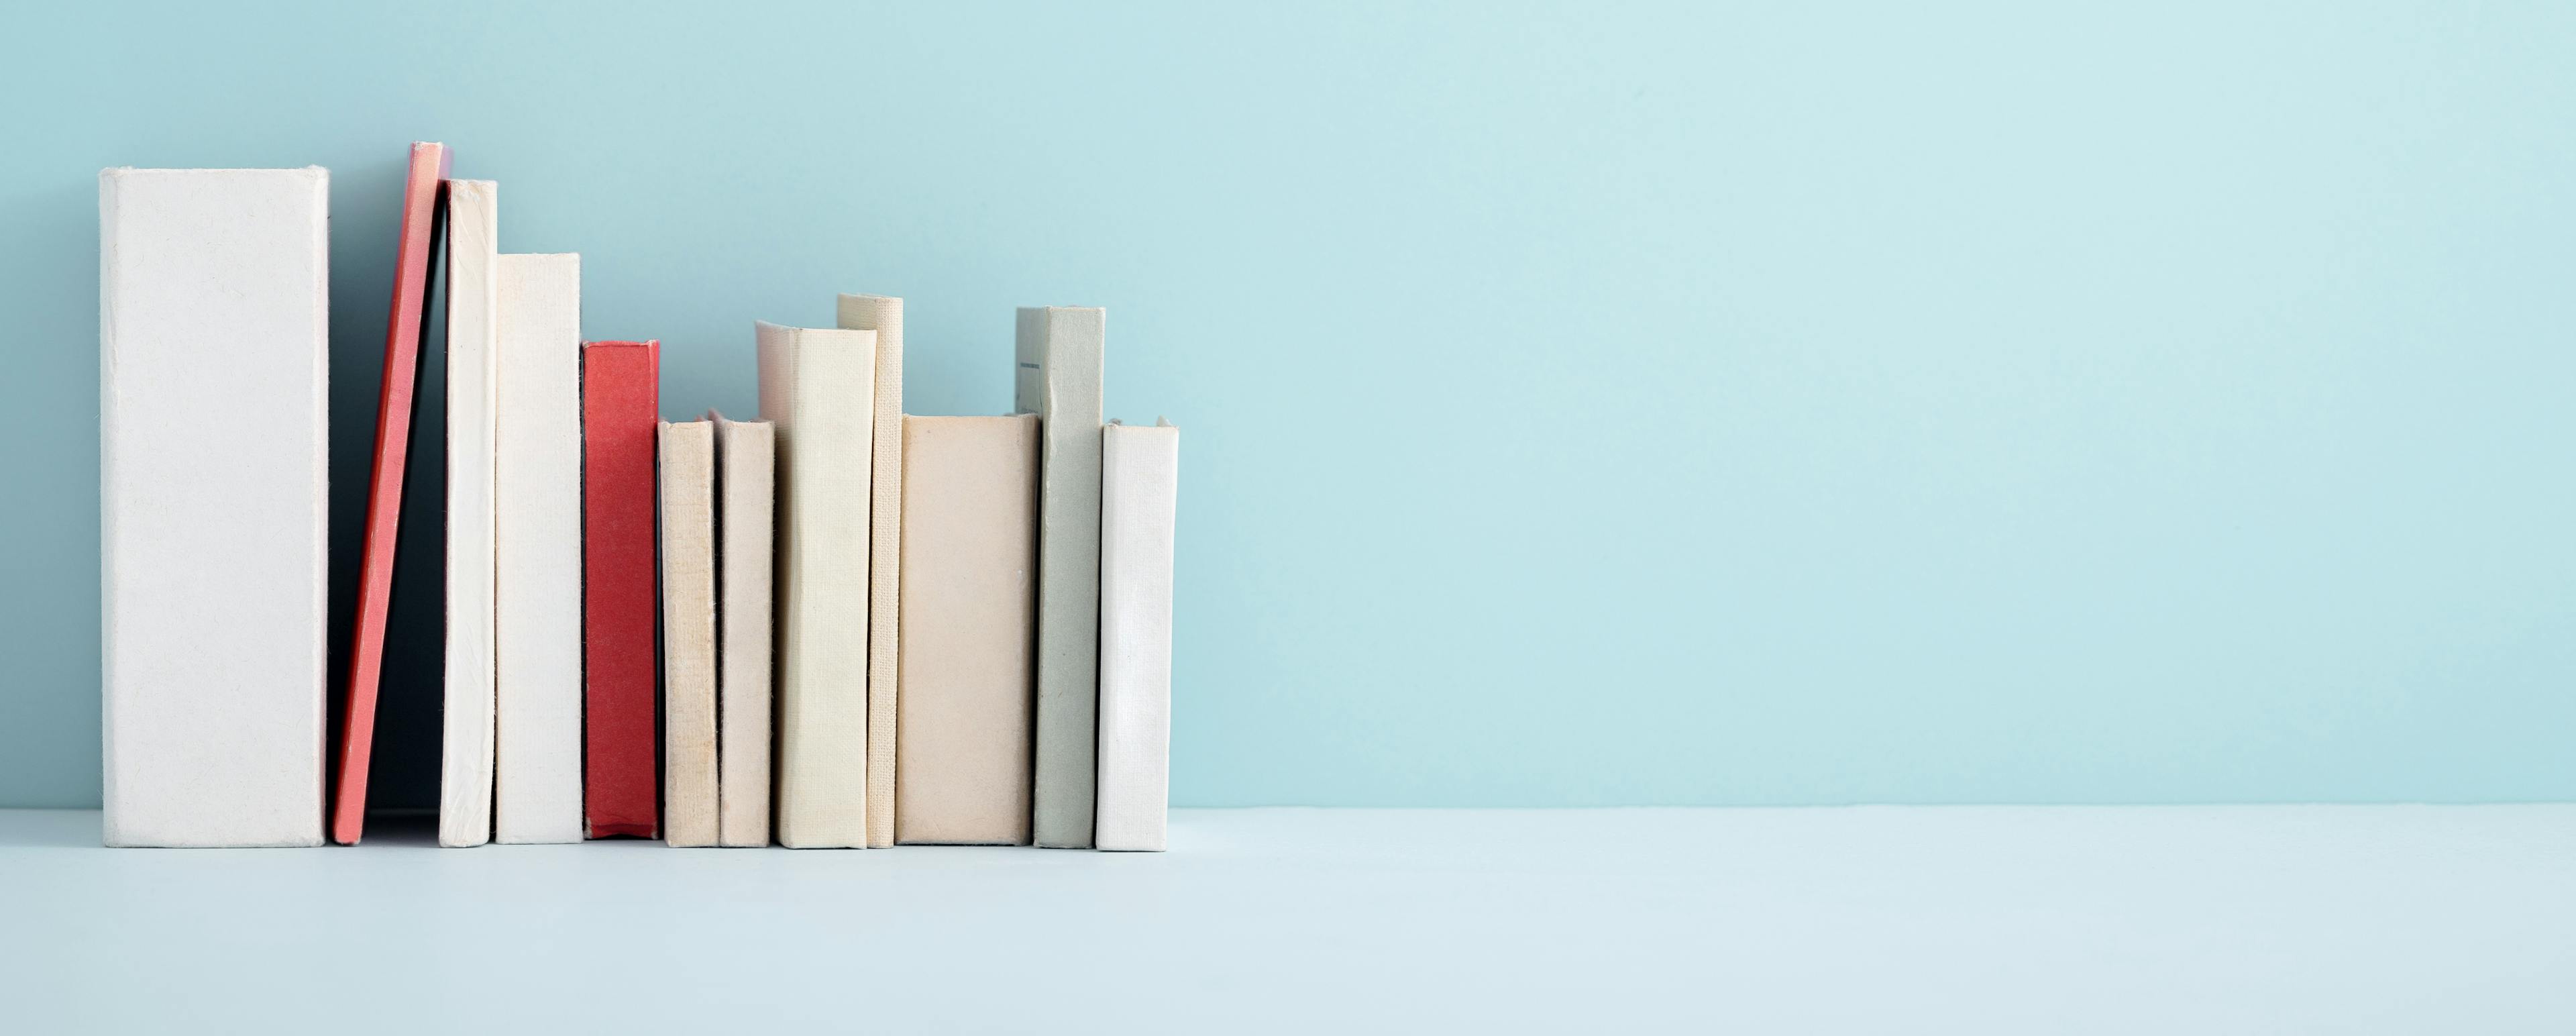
(1059, 380)
(473, 290)
(1139, 490)
(969, 617)
(746, 453)
(214, 371)
(536, 549)
(818, 390)
(687, 462)
(885, 552)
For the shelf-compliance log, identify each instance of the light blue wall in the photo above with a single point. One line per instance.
(1664, 404)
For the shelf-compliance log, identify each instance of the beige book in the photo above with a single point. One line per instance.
(1059, 350)
(969, 619)
(745, 466)
(885, 553)
(688, 469)
(818, 388)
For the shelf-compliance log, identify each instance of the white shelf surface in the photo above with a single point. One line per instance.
(1986, 920)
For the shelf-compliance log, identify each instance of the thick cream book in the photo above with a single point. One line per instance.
(214, 385)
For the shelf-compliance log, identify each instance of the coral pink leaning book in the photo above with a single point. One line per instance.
(385, 483)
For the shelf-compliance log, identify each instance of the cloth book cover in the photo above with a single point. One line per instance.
(817, 387)
(688, 465)
(746, 466)
(415, 253)
(214, 404)
(969, 616)
(620, 404)
(1059, 380)
(536, 475)
(1139, 496)
(884, 316)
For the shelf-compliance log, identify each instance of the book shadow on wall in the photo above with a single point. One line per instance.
(366, 224)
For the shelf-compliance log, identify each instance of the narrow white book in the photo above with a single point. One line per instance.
(473, 331)
(818, 389)
(885, 551)
(969, 615)
(214, 370)
(746, 466)
(536, 534)
(1059, 350)
(688, 480)
(1139, 494)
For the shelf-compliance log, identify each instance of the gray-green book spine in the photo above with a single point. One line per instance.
(1059, 380)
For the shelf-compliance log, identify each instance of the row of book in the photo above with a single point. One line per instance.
(838, 625)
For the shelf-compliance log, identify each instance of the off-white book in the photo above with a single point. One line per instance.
(536, 537)
(214, 370)
(746, 466)
(473, 330)
(818, 388)
(1139, 493)
(885, 553)
(1059, 380)
(969, 620)
(687, 462)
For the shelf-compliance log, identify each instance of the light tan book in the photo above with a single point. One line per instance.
(818, 387)
(885, 552)
(688, 469)
(969, 622)
(746, 454)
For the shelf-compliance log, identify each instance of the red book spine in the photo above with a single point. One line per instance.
(385, 484)
(620, 411)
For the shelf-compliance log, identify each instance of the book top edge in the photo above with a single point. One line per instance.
(119, 172)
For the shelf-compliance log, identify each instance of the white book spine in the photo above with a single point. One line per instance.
(1139, 493)
(688, 466)
(884, 316)
(1059, 351)
(536, 782)
(746, 465)
(214, 368)
(473, 289)
(817, 387)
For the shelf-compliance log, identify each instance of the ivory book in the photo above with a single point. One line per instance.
(536, 529)
(620, 419)
(688, 633)
(473, 289)
(885, 551)
(1139, 490)
(414, 253)
(746, 465)
(214, 370)
(969, 616)
(1059, 380)
(818, 388)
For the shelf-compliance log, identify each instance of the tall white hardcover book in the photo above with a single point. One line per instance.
(885, 551)
(969, 617)
(818, 389)
(746, 466)
(688, 468)
(536, 532)
(1059, 350)
(473, 290)
(214, 369)
(1139, 491)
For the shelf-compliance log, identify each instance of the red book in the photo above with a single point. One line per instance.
(620, 412)
(421, 198)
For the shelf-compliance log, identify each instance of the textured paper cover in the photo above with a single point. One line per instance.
(473, 288)
(688, 634)
(214, 366)
(885, 552)
(746, 464)
(1060, 381)
(969, 619)
(1139, 487)
(817, 387)
(620, 398)
(536, 604)
(394, 401)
